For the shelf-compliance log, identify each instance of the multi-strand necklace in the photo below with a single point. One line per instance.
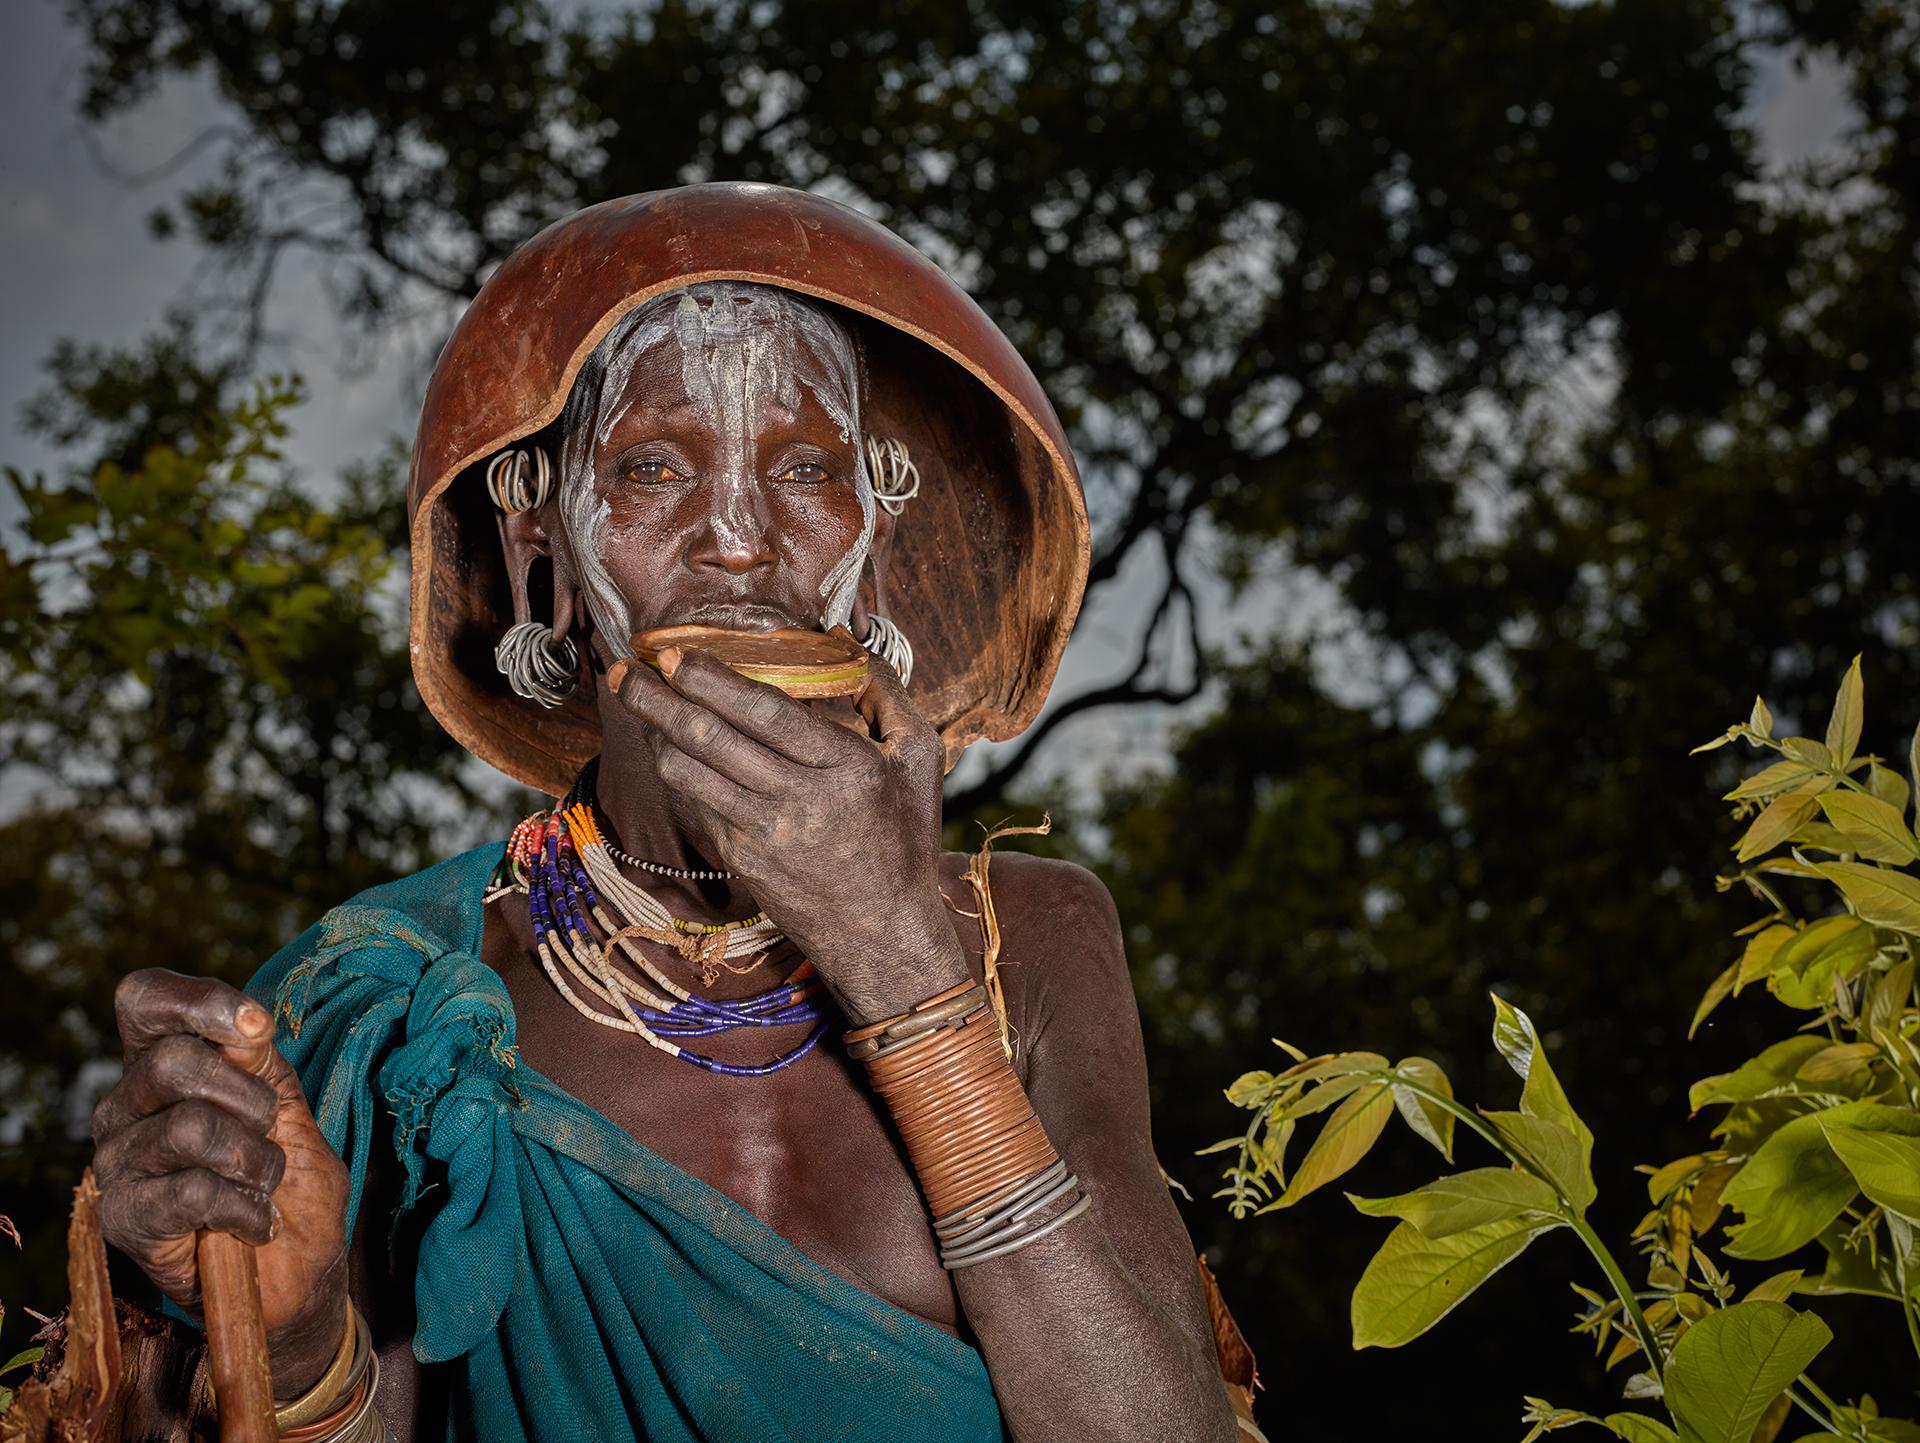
(563, 863)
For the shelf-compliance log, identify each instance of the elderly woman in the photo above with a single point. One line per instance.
(547, 1143)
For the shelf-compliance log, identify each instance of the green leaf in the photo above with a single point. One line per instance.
(1881, 896)
(1878, 828)
(1564, 1158)
(1762, 950)
(1717, 992)
(1249, 1089)
(1888, 997)
(1776, 1289)
(1782, 817)
(1414, 1281)
(1771, 1072)
(1338, 1064)
(1837, 1063)
(1352, 1129)
(1795, 1185)
(1639, 1428)
(1730, 1366)
(24, 1358)
(1885, 1164)
(1843, 728)
(1805, 944)
(1760, 721)
(1776, 778)
(1730, 734)
(1822, 837)
(1328, 1093)
(1889, 786)
(1806, 749)
(1788, 1191)
(1665, 1179)
(1805, 974)
(1519, 1043)
(1465, 1200)
(1427, 1118)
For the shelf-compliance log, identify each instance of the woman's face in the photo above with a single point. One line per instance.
(716, 479)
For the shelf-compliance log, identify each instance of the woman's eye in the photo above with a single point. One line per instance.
(652, 473)
(807, 473)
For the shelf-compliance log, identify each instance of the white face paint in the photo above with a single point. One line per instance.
(731, 336)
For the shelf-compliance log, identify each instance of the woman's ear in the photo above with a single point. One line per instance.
(523, 541)
(528, 541)
(870, 595)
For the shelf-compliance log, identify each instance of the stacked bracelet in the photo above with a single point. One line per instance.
(992, 1178)
(339, 1407)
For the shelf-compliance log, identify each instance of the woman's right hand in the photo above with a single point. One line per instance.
(208, 1128)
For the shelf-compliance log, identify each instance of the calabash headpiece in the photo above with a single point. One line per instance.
(987, 565)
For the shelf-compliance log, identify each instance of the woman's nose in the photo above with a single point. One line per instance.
(734, 535)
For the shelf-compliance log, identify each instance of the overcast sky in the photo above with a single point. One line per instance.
(78, 262)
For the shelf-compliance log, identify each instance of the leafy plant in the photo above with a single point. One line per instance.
(1818, 1143)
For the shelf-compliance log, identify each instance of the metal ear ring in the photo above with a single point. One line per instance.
(896, 480)
(538, 665)
(890, 644)
(520, 479)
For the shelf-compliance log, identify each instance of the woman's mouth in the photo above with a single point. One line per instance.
(743, 616)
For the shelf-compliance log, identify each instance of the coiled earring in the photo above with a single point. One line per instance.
(520, 479)
(896, 480)
(890, 644)
(537, 664)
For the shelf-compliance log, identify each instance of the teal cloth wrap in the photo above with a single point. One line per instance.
(587, 1288)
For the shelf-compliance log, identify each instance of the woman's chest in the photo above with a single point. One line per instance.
(807, 1149)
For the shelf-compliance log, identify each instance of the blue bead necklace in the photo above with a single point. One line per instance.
(552, 857)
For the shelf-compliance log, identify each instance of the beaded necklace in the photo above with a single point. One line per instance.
(556, 858)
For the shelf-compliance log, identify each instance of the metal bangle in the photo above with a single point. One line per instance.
(1051, 1225)
(981, 1240)
(1054, 1182)
(876, 1029)
(962, 1217)
(874, 1048)
(331, 1386)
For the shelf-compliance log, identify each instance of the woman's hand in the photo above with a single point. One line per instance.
(208, 1128)
(837, 834)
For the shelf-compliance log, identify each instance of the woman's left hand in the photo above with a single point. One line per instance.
(836, 834)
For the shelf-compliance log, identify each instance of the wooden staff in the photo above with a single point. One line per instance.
(236, 1339)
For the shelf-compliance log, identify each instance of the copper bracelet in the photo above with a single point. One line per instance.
(967, 1123)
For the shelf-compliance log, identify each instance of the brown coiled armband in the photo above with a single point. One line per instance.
(992, 1178)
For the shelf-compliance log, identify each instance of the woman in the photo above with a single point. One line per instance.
(562, 1121)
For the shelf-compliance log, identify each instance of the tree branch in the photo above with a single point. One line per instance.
(1128, 690)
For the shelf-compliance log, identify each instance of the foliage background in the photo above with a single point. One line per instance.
(1474, 417)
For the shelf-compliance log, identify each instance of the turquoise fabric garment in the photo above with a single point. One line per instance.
(587, 1288)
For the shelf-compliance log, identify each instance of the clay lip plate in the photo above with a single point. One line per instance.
(803, 664)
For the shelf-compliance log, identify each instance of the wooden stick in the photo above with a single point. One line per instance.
(236, 1339)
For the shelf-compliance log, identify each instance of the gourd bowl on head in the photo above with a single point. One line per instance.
(988, 561)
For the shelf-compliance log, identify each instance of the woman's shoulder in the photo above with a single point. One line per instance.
(1058, 928)
(1024, 883)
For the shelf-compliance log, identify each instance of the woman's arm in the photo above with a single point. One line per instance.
(1098, 1330)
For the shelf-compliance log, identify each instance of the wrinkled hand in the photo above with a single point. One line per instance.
(836, 833)
(208, 1128)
